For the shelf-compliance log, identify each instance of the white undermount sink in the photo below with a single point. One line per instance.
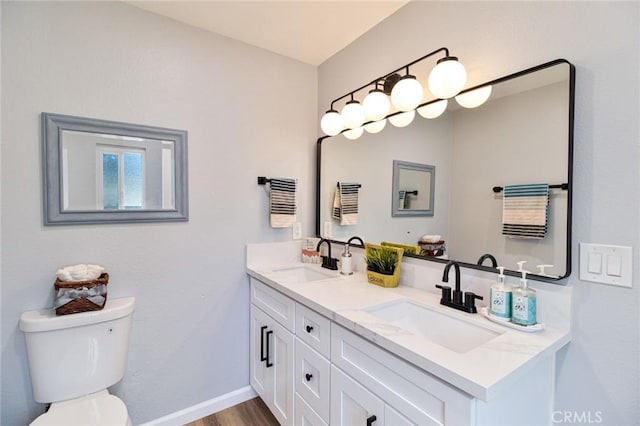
(452, 333)
(302, 274)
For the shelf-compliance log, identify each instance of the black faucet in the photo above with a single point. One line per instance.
(469, 304)
(327, 261)
(355, 238)
(494, 262)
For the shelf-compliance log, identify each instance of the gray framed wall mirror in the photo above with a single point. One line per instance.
(413, 189)
(523, 134)
(99, 171)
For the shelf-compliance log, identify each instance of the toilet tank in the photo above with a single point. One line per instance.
(77, 354)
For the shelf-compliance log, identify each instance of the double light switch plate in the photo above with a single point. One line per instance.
(606, 264)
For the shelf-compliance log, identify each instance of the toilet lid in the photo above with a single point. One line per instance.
(95, 410)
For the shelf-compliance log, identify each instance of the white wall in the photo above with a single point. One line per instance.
(599, 371)
(248, 113)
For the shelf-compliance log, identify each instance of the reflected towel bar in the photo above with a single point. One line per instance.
(563, 186)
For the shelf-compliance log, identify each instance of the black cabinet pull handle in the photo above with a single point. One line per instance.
(309, 329)
(269, 364)
(371, 419)
(262, 355)
(308, 377)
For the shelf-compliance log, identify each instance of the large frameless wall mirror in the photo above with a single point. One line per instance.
(98, 171)
(523, 134)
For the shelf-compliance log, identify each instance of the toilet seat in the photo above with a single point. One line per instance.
(98, 409)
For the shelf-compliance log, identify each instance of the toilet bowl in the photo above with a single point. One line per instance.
(98, 409)
(74, 359)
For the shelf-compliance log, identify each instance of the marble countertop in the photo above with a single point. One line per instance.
(480, 371)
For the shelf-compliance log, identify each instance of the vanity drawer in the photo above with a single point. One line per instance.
(312, 372)
(304, 414)
(313, 329)
(419, 396)
(277, 305)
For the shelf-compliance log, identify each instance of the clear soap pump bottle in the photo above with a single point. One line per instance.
(500, 296)
(524, 303)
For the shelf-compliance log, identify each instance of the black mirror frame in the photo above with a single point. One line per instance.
(572, 83)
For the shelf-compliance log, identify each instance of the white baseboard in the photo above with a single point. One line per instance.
(205, 408)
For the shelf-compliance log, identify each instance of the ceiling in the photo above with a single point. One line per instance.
(310, 31)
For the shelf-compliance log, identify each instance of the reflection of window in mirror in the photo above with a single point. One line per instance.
(120, 178)
(168, 180)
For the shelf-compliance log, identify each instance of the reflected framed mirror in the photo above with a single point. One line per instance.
(413, 187)
(522, 135)
(99, 171)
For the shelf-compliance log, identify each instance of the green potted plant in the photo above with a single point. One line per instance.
(383, 264)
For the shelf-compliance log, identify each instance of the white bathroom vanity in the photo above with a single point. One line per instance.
(333, 349)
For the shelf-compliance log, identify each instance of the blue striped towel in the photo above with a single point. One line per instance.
(525, 210)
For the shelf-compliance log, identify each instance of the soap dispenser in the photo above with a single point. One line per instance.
(500, 296)
(524, 302)
(346, 268)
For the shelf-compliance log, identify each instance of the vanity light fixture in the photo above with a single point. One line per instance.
(445, 81)
(353, 134)
(407, 93)
(403, 119)
(376, 126)
(376, 105)
(332, 122)
(474, 98)
(352, 114)
(433, 109)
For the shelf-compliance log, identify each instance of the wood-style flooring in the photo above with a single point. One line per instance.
(250, 413)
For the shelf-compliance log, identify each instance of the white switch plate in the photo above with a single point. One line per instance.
(327, 230)
(297, 231)
(606, 264)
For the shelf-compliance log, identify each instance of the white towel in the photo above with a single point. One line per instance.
(336, 210)
(525, 210)
(282, 202)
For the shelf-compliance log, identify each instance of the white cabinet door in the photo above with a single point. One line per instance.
(352, 404)
(272, 364)
(280, 360)
(259, 377)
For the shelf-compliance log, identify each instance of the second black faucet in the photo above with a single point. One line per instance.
(455, 301)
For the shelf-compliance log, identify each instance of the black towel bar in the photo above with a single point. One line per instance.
(563, 186)
(263, 180)
(357, 186)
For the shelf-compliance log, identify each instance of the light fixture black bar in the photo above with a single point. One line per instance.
(446, 53)
(563, 186)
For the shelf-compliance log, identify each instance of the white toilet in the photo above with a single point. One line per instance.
(74, 358)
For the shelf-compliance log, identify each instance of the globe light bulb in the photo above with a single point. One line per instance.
(353, 134)
(407, 93)
(376, 105)
(434, 109)
(474, 98)
(404, 119)
(353, 115)
(447, 78)
(331, 123)
(376, 126)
